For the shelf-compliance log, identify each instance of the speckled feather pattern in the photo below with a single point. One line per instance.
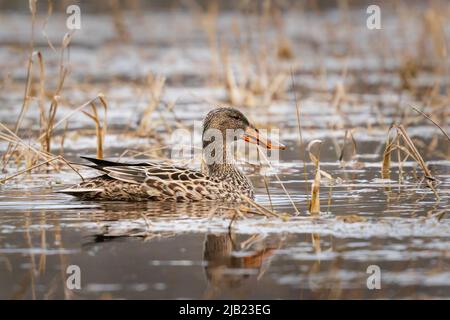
(158, 182)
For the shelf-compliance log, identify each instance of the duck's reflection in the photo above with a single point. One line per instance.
(229, 262)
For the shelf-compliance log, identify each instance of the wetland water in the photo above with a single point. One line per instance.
(167, 250)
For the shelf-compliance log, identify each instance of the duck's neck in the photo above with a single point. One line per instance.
(224, 168)
(219, 162)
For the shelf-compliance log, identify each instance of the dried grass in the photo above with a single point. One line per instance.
(99, 127)
(155, 89)
(434, 122)
(402, 143)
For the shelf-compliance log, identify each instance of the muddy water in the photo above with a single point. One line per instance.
(163, 250)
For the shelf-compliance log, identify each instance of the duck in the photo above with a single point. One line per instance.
(218, 180)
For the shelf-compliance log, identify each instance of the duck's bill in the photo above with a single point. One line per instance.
(252, 135)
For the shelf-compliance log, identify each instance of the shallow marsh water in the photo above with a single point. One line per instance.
(165, 250)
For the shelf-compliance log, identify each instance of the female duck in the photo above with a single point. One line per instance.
(219, 180)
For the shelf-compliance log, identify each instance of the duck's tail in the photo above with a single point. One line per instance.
(87, 189)
(82, 193)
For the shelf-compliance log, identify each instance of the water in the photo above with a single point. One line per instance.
(167, 250)
(182, 251)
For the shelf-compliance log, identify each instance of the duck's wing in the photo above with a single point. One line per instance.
(100, 164)
(153, 171)
(167, 182)
(157, 180)
(140, 172)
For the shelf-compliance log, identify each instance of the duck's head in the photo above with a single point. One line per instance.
(231, 121)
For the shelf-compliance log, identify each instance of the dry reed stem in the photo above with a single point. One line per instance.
(99, 129)
(41, 87)
(13, 139)
(410, 150)
(268, 192)
(24, 108)
(279, 180)
(263, 210)
(314, 154)
(44, 27)
(385, 167)
(428, 117)
(314, 205)
(297, 109)
(415, 152)
(70, 114)
(48, 120)
(348, 136)
(49, 158)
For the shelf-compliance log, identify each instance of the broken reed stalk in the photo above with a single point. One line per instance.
(297, 108)
(261, 209)
(268, 192)
(314, 154)
(314, 204)
(386, 164)
(428, 117)
(344, 155)
(279, 180)
(330, 193)
(99, 128)
(41, 87)
(403, 142)
(415, 152)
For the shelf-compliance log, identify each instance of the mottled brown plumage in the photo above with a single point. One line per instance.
(219, 180)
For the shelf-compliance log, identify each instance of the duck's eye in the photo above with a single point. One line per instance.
(235, 117)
